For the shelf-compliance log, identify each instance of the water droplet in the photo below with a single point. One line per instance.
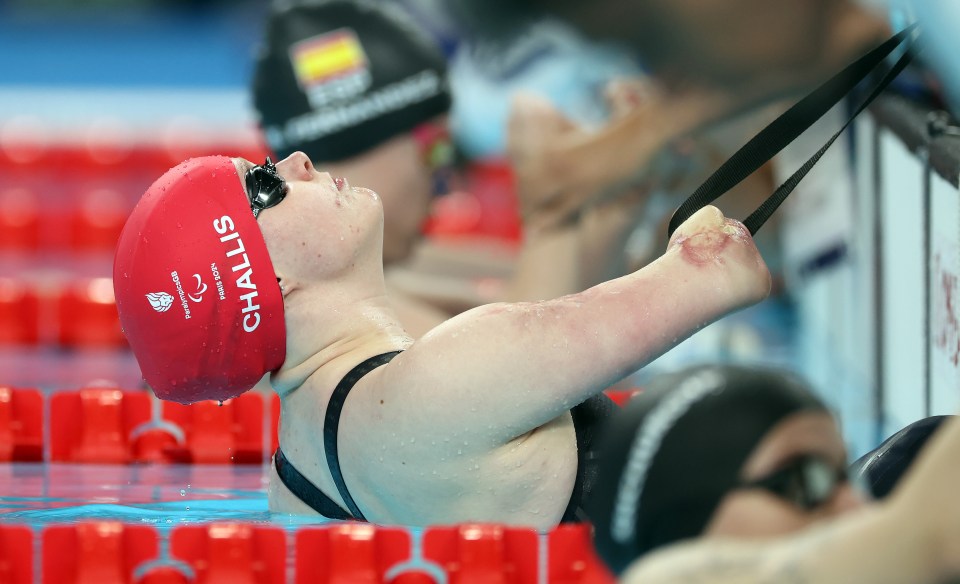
(183, 493)
(220, 402)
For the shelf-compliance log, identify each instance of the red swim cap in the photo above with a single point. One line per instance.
(196, 290)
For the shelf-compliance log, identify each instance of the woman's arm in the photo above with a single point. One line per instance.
(506, 369)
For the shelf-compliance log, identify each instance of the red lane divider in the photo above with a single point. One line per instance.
(107, 552)
(232, 553)
(21, 425)
(76, 313)
(164, 575)
(94, 424)
(572, 558)
(484, 553)
(109, 425)
(16, 554)
(101, 552)
(227, 433)
(351, 553)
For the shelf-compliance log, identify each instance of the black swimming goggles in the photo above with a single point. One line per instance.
(806, 481)
(265, 187)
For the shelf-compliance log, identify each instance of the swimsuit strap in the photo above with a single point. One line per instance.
(589, 419)
(331, 423)
(305, 490)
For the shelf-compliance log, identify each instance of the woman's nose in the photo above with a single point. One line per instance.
(297, 166)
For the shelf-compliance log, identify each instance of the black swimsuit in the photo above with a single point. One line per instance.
(587, 418)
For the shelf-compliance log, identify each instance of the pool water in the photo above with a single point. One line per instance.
(158, 494)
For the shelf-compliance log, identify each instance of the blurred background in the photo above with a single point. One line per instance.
(99, 97)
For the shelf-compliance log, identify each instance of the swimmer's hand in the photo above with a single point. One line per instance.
(708, 240)
(563, 169)
(536, 134)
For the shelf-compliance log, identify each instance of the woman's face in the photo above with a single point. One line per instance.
(323, 226)
(402, 171)
(758, 512)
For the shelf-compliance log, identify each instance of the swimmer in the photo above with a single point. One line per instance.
(471, 422)
(913, 537)
(735, 474)
(717, 451)
(364, 93)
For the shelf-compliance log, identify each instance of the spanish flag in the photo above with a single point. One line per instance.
(328, 56)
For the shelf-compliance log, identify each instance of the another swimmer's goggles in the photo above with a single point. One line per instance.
(806, 481)
(265, 187)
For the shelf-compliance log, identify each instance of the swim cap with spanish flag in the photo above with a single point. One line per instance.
(196, 290)
(337, 78)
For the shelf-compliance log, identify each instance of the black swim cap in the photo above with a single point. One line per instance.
(672, 454)
(881, 469)
(335, 78)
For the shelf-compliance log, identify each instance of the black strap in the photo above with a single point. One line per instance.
(331, 423)
(589, 420)
(786, 128)
(305, 490)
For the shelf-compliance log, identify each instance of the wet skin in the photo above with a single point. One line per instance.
(457, 427)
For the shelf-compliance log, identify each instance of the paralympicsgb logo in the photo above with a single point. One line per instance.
(160, 301)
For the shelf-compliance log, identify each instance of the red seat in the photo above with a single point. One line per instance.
(24, 149)
(19, 313)
(19, 219)
(349, 553)
(96, 552)
(16, 554)
(572, 559)
(87, 315)
(232, 553)
(486, 206)
(484, 553)
(95, 424)
(494, 185)
(227, 433)
(97, 218)
(21, 425)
